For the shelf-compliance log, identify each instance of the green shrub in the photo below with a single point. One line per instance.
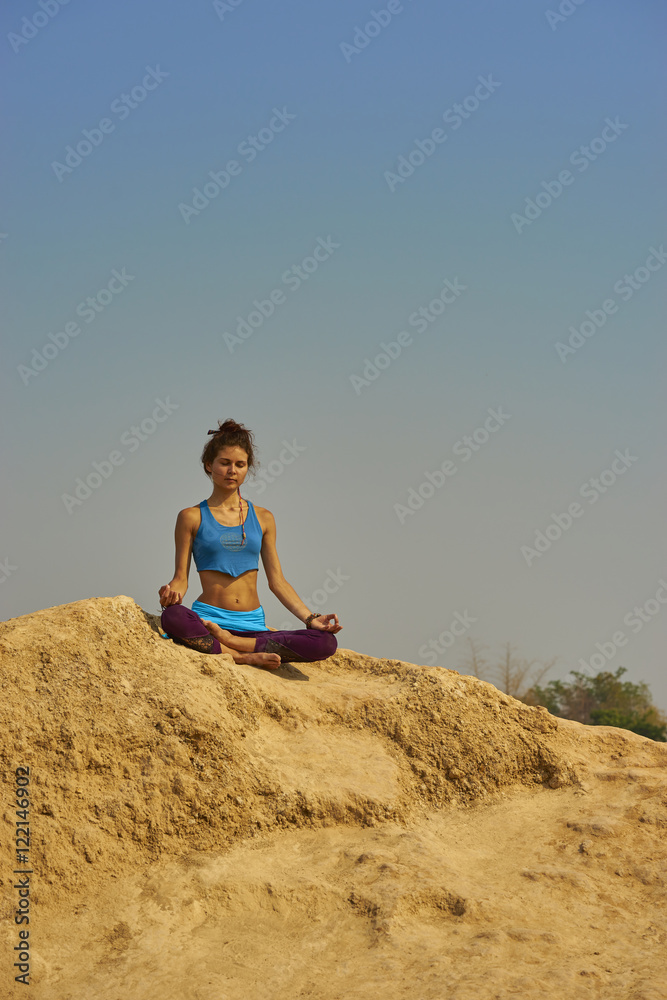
(603, 700)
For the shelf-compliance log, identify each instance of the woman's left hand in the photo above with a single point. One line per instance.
(323, 623)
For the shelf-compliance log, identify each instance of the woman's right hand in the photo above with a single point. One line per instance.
(169, 596)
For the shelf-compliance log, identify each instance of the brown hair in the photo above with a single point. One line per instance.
(229, 434)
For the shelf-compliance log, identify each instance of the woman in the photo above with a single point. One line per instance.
(226, 535)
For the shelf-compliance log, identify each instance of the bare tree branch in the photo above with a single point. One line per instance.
(474, 663)
(516, 675)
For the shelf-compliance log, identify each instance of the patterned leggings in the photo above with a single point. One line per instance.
(305, 645)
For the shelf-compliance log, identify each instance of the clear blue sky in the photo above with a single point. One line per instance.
(517, 154)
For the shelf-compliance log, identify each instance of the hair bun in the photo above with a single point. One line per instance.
(228, 425)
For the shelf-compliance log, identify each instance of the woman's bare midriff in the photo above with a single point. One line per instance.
(233, 593)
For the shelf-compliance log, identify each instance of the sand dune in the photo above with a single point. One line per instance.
(209, 831)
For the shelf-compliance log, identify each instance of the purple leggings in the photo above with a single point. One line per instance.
(304, 645)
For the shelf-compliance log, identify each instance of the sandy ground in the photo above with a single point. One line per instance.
(340, 829)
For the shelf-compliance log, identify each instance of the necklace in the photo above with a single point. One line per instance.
(241, 522)
(228, 540)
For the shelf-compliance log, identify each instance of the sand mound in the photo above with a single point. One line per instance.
(202, 829)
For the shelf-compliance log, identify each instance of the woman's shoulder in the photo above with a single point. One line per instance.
(260, 510)
(194, 509)
(189, 515)
(264, 516)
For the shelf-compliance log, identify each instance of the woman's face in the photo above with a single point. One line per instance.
(230, 467)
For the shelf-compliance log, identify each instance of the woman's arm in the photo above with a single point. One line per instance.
(288, 596)
(174, 591)
(278, 585)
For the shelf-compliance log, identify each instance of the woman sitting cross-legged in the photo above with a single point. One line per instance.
(226, 535)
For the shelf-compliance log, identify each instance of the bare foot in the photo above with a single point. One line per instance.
(221, 634)
(268, 661)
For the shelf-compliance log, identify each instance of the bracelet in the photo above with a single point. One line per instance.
(315, 614)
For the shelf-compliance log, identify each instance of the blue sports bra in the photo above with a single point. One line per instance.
(219, 547)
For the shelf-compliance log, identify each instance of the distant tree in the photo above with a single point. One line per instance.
(475, 663)
(512, 674)
(603, 700)
(517, 676)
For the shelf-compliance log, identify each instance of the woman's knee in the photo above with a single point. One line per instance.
(185, 628)
(329, 644)
(175, 617)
